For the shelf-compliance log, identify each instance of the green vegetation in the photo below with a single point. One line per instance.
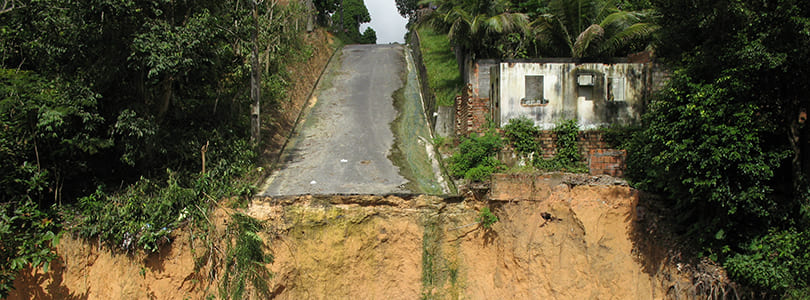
(486, 218)
(568, 157)
(724, 141)
(590, 28)
(27, 234)
(475, 157)
(548, 28)
(246, 260)
(442, 70)
(124, 120)
(522, 135)
(440, 264)
(480, 27)
(345, 17)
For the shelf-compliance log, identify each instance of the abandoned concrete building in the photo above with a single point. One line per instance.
(596, 94)
(547, 91)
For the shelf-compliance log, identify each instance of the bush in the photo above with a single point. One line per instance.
(26, 237)
(568, 157)
(486, 218)
(522, 135)
(245, 260)
(475, 158)
(619, 137)
(778, 261)
(144, 214)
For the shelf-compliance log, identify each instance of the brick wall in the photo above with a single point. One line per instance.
(607, 162)
(601, 159)
(471, 113)
(587, 140)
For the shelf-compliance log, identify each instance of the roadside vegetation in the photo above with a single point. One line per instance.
(725, 141)
(442, 70)
(343, 18)
(124, 121)
(476, 156)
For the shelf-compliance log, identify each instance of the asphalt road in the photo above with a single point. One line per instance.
(343, 145)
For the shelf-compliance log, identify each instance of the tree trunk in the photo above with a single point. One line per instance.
(799, 138)
(255, 82)
(166, 96)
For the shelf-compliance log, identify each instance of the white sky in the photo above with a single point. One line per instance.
(386, 21)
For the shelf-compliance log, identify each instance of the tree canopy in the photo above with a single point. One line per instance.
(105, 106)
(726, 139)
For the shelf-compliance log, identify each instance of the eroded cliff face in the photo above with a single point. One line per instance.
(581, 242)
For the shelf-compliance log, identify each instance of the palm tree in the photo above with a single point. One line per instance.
(590, 28)
(476, 28)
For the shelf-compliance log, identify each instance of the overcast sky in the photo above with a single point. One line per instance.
(386, 21)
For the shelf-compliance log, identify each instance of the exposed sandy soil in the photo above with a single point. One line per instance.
(584, 251)
(344, 251)
(593, 244)
(83, 271)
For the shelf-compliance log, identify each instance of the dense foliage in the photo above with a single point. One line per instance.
(544, 28)
(475, 157)
(727, 139)
(246, 261)
(522, 136)
(345, 17)
(107, 109)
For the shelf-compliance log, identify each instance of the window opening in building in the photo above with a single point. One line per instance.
(534, 91)
(590, 86)
(616, 89)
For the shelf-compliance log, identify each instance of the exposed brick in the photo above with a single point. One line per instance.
(607, 162)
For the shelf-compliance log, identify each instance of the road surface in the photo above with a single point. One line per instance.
(345, 142)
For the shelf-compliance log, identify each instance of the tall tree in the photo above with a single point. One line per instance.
(369, 36)
(591, 28)
(407, 8)
(727, 139)
(477, 28)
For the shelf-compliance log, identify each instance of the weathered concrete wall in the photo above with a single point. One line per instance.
(615, 97)
(445, 121)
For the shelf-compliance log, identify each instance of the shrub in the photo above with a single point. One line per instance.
(246, 260)
(486, 218)
(568, 157)
(522, 135)
(26, 237)
(778, 261)
(619, 137)
(475, 158)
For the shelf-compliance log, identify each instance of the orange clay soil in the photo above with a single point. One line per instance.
(585, 242)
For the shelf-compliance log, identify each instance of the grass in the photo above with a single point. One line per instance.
(433, 276)
(442, 68)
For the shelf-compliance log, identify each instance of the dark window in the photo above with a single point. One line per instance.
(534, 91)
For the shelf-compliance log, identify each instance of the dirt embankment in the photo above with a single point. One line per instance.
(581, 242)
(279, 117)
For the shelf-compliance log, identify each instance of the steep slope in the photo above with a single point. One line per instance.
(581, 242)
